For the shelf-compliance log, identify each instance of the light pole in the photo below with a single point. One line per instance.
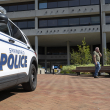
(101, 31)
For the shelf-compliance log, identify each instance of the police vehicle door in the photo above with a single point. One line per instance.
(23, 52)
(8, 57)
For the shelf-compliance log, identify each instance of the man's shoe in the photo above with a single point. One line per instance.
(96, 77)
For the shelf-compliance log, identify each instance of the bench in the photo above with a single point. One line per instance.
(92, 69)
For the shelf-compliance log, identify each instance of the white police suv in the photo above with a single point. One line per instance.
(18, 61)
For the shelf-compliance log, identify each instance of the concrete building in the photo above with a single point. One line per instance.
(55, 27)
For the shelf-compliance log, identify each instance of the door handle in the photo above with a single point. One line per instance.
(11, 41)
(28, 47)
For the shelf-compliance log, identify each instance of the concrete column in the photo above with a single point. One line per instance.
(46, 59)
(103, 18)
(104, 46)
(36, 22)
(36, 45)
(103, 2)
(103, 22)
(91, 49)
(46, 65)
(36, 19)
(36, 4)
(68, 53)
(50, 67)
(45, 50)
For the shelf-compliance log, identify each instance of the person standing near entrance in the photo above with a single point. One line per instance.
(96, 59)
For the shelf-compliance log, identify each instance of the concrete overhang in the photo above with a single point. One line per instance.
(62, 30)
(21, 15)
(69, 11)
(58, 12)
(106, 8)
(60, 38)
(13, 1)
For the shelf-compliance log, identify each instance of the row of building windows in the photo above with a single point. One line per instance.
(48, 4)
(61, 50)
(25, 24)
(71, 21)
(22, 6)
(61, 22)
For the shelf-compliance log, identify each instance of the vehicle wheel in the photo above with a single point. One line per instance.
(32, 83)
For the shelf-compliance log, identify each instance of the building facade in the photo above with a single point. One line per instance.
(55, 27)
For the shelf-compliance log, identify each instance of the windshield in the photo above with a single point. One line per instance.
(4, 28)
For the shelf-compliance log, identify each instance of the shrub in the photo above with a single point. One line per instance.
(68, 69)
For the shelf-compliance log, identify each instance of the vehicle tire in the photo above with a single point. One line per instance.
(32, 83)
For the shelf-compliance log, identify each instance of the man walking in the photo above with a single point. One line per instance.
(96, 59)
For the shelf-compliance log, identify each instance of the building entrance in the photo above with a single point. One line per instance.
(57, 65)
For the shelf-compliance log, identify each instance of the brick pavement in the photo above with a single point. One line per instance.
(60, 92)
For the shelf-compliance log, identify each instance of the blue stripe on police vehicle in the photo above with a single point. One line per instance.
(13, 61)
(15, 45)
(11, 38)
(15, 40)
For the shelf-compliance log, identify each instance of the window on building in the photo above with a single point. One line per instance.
(52, 23)
(41, 50)
(84, 2)
(107, 1)
(95, 20)
(4, 28)
(16, 23)
(70, 21)
(22, 24)
(94, 2)
(52, 4)
(42, 23)
(22, 7)
(16, 33)
(31, 6)
(31, 24)
(108, 19)
(63, 22)
(56, 50)
(43, 4)
(6, 8)
(27, 24)
(73, 2)
(12, 8)
(85, 21)
(73, 21)
(63, 3)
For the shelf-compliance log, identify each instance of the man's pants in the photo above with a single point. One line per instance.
(97, 68)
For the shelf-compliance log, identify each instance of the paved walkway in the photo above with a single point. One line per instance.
(60, 92)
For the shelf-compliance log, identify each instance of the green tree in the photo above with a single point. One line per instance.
(75, 57)
(83, 56)
(107, 56)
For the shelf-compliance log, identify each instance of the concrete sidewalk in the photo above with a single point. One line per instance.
(60, 92)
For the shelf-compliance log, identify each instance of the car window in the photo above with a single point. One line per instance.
(27, 39)
(16, 33)
(4, 28)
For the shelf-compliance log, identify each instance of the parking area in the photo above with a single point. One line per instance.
(60, 92)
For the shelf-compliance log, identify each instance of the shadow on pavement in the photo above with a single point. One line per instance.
(10, 92)
(85, 75)
(67, 74)
(90, 76)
